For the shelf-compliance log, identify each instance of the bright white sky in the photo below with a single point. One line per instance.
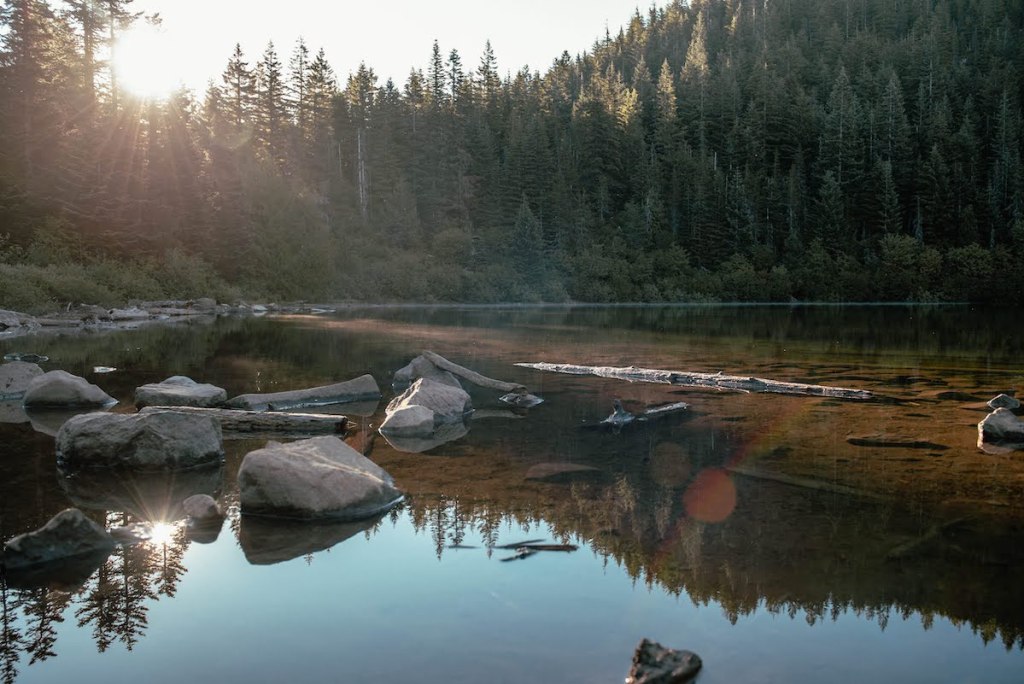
(391, 36)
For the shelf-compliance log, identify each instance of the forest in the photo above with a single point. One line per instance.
(711, 150)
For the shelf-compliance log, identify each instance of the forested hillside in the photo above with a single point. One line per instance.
(746, 150)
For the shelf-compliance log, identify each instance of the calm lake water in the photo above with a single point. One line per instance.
(783, 539)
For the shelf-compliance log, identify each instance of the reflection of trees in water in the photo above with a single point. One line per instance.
(114, 602)
(787, 552)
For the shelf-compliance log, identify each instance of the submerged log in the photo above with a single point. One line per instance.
(709, 380)
(237, 423)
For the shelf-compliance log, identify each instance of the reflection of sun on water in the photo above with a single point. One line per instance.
(161, 533)
(145, 64)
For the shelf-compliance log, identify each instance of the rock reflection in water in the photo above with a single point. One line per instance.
(153, 496)
(266, 541)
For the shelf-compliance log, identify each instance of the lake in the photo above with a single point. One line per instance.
(782, 538)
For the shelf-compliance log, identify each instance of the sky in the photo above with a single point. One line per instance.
(390, 37)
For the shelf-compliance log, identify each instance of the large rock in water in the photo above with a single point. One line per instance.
(1004, 401)
(60, 388)
(360, 389)
(1001, 426)
(67, 534)
(179, 390)
(424, 406)
(155, 440)
(655, 664)
(15, 377)
(318, 478)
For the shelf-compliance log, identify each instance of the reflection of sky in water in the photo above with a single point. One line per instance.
(386, 609)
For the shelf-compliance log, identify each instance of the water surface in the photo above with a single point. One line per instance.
(749, 529)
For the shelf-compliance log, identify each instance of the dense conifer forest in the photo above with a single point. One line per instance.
(711, 150)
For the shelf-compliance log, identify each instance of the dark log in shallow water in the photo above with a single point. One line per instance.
(236, 423)
(709, 380)
(471, 376)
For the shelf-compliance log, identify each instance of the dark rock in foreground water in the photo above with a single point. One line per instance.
(60, 388)
(655, 664)
(266, 541)
(314, 478)
(179, 390)
(68, 534)
(157, 440)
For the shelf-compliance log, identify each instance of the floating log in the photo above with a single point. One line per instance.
(805, 483)
(517, 395)
(470, 375)
(709, 380)
(242, 424)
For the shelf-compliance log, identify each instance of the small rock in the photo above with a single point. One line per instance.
(179, 390)
(521, 399)
(60, 388)
(69, 533)
(1004, 401)
(155, 440)
(205, 304)
(655, 664)
(409, 420)
(1001, 426)
(15, 377)
(202, 509)
(318, 478)
(9, 319)
(130, 314)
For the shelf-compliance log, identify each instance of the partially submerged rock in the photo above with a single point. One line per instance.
(1004, 401)
(67, 534)
(362, 388)
(60, 388)
(318, 478)
(417, 444)
(202, 509)
(157, 440)
(179, 390)
(437, 403)
(1001, 427)
(655, 664)
(15, 377)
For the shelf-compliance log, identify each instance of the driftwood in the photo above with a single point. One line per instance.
(805, 483)
(914, 546)
(241, 424)
(471, 376)
(710, 380)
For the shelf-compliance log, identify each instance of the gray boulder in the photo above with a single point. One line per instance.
(447, 404)
(655, 664)
(1004, 401)
(1001, 426)
(179, 390)
(202, 509)
(67, 534)
(9, 319)
(422, 367)
(362, 388)
(60, 388)
(318, 478)
(15, 377)
(155, 440)
(133, 313)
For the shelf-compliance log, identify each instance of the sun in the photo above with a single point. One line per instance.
(146, 64)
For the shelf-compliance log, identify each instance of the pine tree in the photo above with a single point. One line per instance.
(239, 88)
